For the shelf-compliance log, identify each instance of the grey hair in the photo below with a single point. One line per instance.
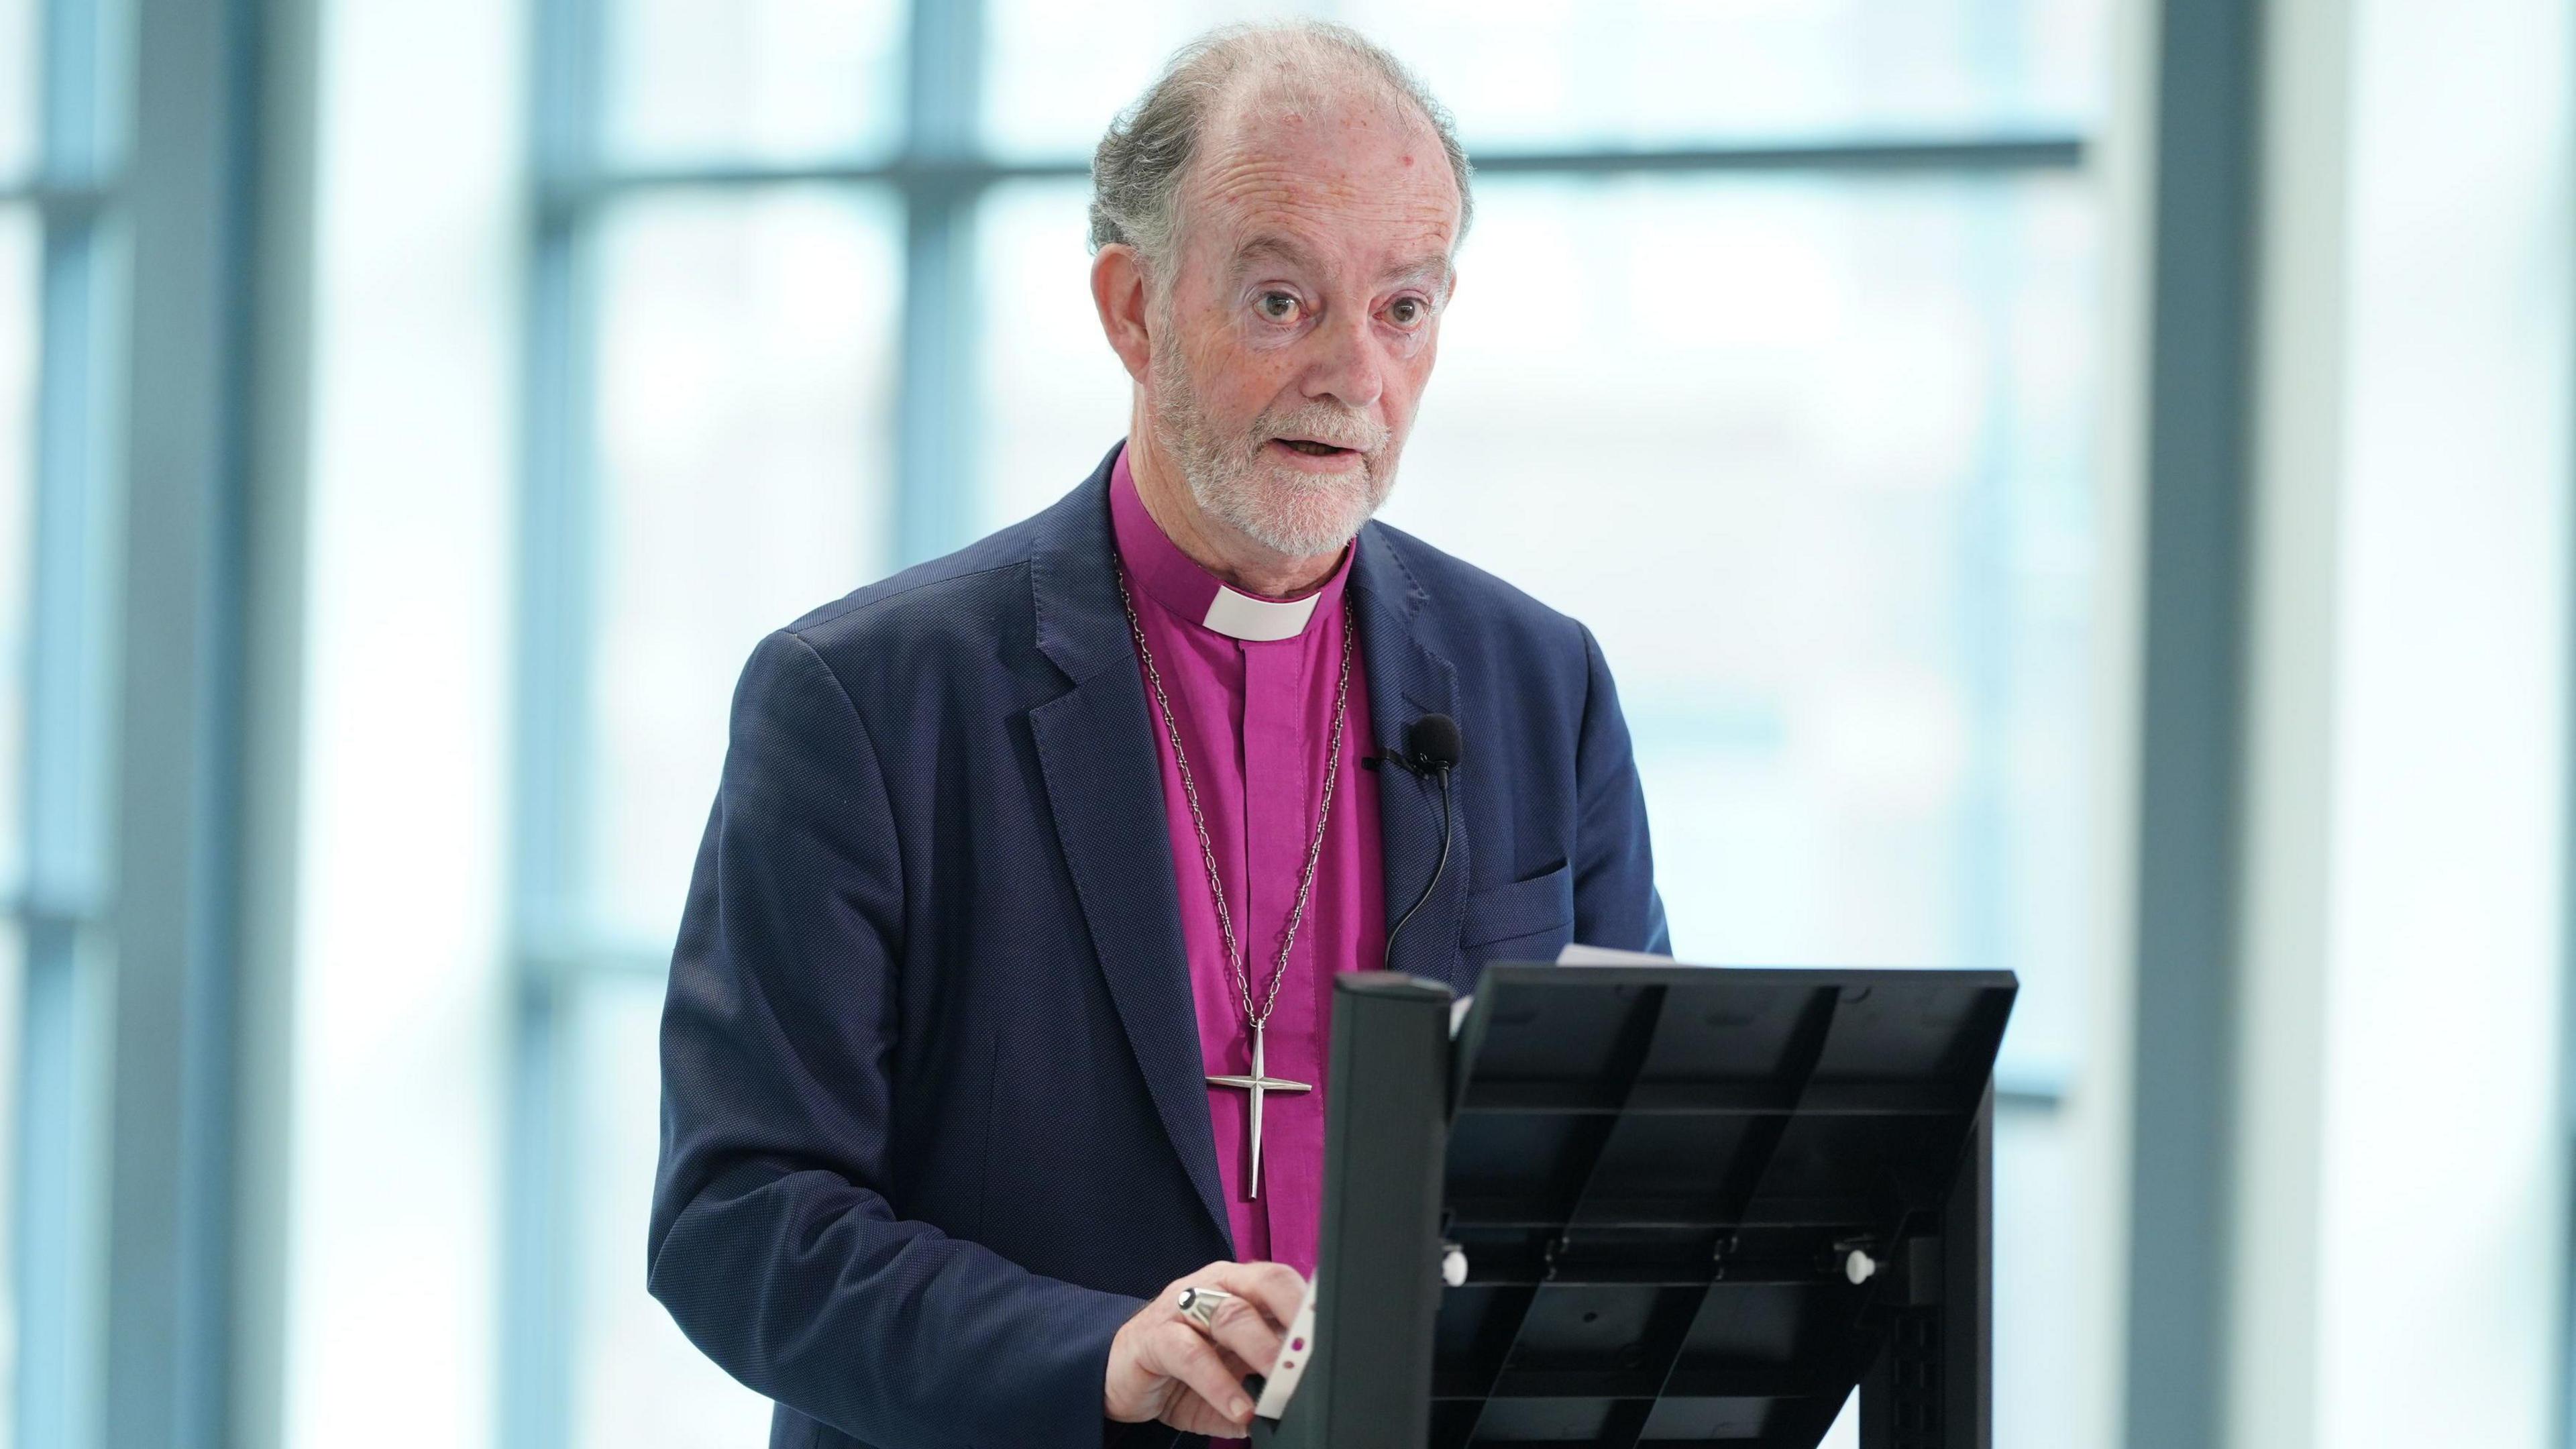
(1136, 172)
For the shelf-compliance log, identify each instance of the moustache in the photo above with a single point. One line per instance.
(1333, 427)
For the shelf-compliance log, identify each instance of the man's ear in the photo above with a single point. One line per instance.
(1118, 290)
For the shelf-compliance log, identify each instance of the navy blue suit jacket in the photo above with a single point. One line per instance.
(932, 1116)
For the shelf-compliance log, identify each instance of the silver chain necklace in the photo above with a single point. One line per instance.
(1260, 1082)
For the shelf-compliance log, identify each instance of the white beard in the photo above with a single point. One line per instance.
(1293, 514)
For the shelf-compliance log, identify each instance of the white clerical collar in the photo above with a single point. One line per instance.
(1260, 620)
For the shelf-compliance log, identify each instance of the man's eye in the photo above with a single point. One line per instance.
(1406, 311)
(1278, 306)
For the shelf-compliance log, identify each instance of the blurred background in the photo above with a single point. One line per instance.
(2070, 485)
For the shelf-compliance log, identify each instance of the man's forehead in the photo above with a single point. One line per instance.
(1296, 179)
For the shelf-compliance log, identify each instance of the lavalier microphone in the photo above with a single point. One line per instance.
(1435, 743)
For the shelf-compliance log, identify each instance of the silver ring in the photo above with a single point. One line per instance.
(1199, 1305)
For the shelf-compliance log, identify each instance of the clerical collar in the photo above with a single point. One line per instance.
(1174, 580)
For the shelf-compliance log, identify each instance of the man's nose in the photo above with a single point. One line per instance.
(1350, 366)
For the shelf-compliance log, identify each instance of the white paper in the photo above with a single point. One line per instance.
(1578, 954)
(1280, 1384)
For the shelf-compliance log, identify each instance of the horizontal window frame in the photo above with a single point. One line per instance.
(572, 191)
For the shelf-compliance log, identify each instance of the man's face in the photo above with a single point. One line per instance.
(1300, 324)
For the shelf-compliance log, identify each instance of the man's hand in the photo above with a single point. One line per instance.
(1162, 1367)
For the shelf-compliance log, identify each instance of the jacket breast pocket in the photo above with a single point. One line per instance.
(1530, 919)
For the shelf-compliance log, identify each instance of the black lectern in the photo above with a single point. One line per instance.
(1696, 1208)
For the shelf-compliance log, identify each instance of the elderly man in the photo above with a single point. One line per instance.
(997, 1017)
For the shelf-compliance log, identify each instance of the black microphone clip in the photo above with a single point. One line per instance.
(1434, 752)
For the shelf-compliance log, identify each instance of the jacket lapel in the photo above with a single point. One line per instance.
(1406, 681)
(1104, 784)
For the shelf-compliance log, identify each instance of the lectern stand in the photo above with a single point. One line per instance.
(1696, 1207)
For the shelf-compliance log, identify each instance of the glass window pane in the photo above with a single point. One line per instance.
(1549, 73)
(1813, 460)
(1545, 74)
(1054, 74)
(2039, 1263)
(637, 1382)
(1056, 395)
(744, 363)
(20, 96)
(751, 80)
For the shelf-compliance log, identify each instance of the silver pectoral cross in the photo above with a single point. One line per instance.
(1258, 1083)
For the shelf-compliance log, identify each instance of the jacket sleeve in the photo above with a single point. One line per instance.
(1615, 901)
(773, 1243)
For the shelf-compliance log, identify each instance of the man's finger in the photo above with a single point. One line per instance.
(1190, 1414)
(1239, 1328)
(1276, 1287)
(1177, 1351)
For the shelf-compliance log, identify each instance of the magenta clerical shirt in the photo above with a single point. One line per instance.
(1255, 716)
